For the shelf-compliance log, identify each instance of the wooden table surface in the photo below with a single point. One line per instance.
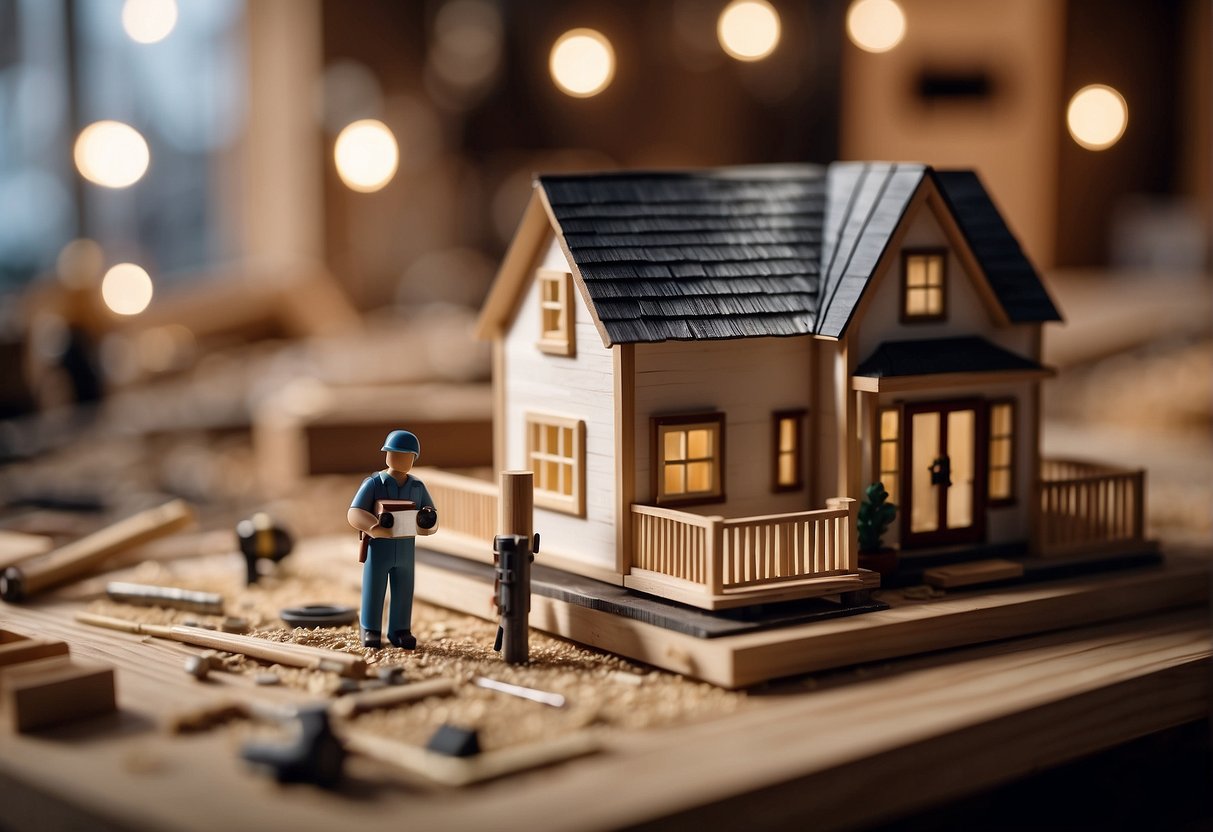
(843, 749)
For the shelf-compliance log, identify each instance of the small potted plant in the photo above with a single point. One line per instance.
(876, 513)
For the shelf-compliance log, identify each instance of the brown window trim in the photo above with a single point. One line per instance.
(906, 254)
(778, 416)
(658, 468)
(1002, 502)
(566, 345)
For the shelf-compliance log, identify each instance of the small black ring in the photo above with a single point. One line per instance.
(319, 615)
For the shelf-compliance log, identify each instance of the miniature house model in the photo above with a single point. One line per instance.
(704, 371)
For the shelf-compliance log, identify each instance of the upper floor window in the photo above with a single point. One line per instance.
(924, 292)
(688, 458)
(555, 312)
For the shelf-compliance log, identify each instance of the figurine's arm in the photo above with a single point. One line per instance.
(362, 519)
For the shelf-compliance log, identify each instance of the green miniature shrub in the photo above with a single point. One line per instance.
(876, 513)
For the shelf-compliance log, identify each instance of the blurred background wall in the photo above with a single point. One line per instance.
(177, 175)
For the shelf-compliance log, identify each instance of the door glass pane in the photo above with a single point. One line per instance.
(924, 514)
(961, 427)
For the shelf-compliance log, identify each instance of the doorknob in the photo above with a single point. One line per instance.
(941, 471)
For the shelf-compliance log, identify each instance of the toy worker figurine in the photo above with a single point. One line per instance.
(389, 545)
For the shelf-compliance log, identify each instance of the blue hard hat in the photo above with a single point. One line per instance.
(402, 440)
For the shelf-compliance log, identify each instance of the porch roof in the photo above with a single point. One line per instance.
(901, 365)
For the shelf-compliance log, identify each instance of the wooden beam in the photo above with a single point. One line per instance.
(624, 367)
(292, 655)
(939, 381)
(83, 556)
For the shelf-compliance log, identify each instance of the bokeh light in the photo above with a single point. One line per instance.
(876, 25)
(111, 154)
(1097, 117)
(366, 155)
(748, 30)
(582, 63)
(149, 21)
(126, 289)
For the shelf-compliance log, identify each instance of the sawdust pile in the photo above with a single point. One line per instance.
(603, 692)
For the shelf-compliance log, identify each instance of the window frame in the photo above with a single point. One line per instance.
(910, 318)
(899, 413)
(1013, 440)
(561, 341)
(798, 415)
(713, 419)
(574, 503)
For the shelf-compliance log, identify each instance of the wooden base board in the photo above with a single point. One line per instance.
(908, 627)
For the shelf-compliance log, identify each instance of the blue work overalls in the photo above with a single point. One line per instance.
(389, 560)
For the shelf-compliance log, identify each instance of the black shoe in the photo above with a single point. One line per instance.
(371, 638)
(403, 638)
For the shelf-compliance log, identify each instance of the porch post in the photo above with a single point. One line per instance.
(851, 506)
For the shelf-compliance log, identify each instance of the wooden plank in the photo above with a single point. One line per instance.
(973, 573)
(83, 556)
(16, 648)
(464, 771)
(48, 692)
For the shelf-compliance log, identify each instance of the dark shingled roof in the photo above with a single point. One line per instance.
(1010, 274)
(941, 355)
(752, 251)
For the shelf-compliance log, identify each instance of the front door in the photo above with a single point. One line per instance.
(943, 473)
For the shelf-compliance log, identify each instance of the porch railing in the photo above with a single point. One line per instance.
(1086, 507)
(745, 552)
(467, 509)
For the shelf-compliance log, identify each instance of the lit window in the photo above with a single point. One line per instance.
(788, 431)
(923, 295)
(1002, 452)
(689, 458)
(555, 312)
(555, 450)
(888, 466)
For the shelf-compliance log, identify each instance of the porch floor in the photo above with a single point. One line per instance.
(680, 618)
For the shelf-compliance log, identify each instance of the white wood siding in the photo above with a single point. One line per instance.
(746, 379)
(580, 387)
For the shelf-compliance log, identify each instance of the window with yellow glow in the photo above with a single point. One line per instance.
(788, 431)
(888, 465)
(1002, 452)
(555, 450)
(924, 297)
(555, 312)
(688, 458)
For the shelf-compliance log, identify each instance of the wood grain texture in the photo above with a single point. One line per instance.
(1005, 709)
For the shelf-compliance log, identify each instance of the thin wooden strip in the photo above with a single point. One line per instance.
(357, 703)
